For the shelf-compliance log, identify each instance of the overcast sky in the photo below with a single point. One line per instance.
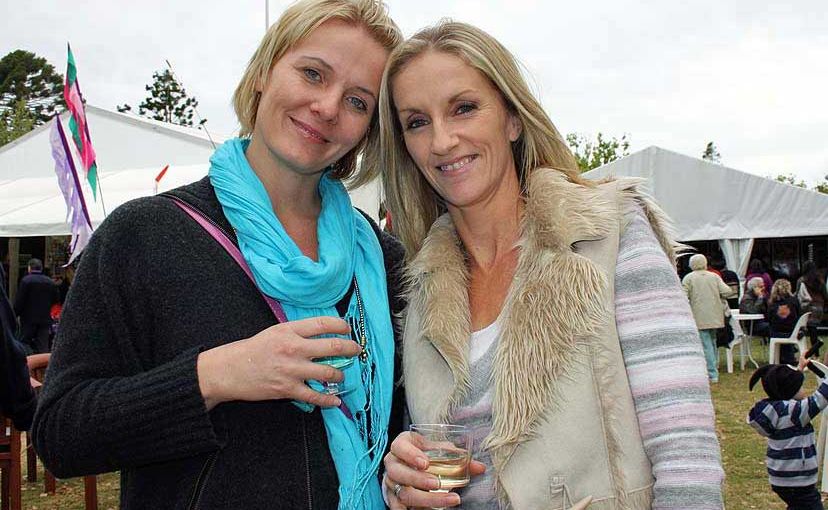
(750, 76)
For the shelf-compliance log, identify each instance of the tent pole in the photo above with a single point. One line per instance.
(14, 266)
(47, 255)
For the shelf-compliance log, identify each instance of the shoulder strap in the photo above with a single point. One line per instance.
(231, 249)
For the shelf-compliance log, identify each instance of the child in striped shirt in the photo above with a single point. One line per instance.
(785, 419)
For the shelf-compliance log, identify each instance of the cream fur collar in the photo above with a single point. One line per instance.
(557, 300)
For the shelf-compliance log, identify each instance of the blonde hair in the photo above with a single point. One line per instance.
(781, 289)
(413, 204)
(295, 24)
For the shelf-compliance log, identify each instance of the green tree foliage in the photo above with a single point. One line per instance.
(711, 153)
(792, 180)
(594, 153)
(16, 122)
(167, 101)
(822, 187)
(30, 81)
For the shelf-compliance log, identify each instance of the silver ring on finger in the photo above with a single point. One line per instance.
(396, 490)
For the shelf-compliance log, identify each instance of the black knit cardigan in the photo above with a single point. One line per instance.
(152, 291)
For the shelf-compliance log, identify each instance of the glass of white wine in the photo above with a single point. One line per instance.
(448, 448)
(339, 363)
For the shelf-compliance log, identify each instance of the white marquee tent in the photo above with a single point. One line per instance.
(34, 206)
(708, 201)
(131, 151)
(122, 141)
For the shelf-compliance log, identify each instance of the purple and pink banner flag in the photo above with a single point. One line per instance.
(78, 125)
(76, 212)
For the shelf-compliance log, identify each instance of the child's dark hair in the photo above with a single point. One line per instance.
(780, 382)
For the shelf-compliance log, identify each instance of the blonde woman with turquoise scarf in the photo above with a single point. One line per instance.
(191, 377)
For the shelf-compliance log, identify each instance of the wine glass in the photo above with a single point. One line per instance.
(339, 363)
(448, 448)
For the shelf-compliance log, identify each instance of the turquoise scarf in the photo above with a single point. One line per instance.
(348, 246)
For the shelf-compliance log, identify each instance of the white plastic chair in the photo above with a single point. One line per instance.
(738, 338)
(776, 343)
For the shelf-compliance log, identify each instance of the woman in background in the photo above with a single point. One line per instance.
(707, 294)
(755, 301)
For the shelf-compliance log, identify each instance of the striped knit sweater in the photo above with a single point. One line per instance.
(476, 414)
(791, 456)
(666, 370)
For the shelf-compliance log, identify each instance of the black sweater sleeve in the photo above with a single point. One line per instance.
(17, 399)
(103, 406)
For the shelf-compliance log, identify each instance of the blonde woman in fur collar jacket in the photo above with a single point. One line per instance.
(544, 311)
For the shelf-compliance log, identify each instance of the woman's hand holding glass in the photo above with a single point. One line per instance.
(334, 387)
(275, 363)
(406, 465)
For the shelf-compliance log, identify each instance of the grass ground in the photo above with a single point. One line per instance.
(743, 454)
(68, 493)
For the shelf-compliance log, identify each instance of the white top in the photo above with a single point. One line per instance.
(483, 339)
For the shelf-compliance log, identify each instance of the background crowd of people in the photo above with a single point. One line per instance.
(780, 303)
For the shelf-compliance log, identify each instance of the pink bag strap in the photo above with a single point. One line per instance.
(232, 249)
(234, 252)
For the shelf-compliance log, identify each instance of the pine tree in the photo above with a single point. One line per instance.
(15, 123)
(31, 92)
(711, 153)
(167, 101)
